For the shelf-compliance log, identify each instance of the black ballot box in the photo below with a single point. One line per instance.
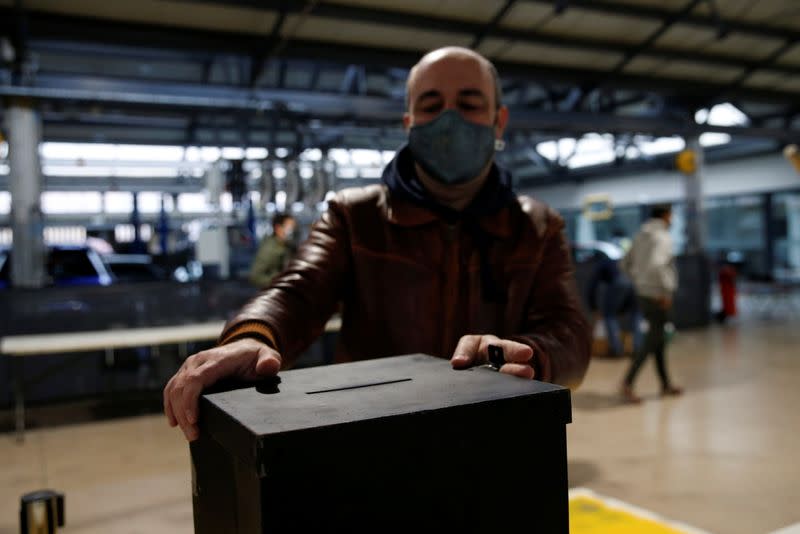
(388, 445)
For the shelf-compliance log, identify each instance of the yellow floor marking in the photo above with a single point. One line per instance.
(590, 513)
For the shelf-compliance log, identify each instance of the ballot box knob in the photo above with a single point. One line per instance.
(41, 512)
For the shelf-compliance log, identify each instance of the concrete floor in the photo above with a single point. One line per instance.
(723, 457)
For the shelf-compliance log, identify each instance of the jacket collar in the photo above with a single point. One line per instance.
(406, 203)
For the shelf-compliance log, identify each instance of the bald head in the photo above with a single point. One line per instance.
(457, 58)
(453, 157)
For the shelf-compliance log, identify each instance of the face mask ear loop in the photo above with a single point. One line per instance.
(499, 144)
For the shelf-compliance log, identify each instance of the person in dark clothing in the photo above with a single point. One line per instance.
(440, 258)
(612, 293)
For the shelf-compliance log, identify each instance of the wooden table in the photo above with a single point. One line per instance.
(19, 347)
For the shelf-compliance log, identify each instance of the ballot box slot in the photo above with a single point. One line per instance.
(359, 386)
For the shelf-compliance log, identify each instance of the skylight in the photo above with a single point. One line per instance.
(725, 114)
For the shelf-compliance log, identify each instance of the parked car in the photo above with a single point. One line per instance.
(134, 268)
(3, 268)
(66, 265)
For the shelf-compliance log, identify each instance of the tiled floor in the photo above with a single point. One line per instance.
(724, 457)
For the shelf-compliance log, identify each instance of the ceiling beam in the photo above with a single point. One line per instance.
(537, 72)
(648, 43)
(492, 25)
(638, 10)
(766, 63)
(272, 43)
(354, 107)
(607, 7)
(66, 27)
(167, 184)
(334, 10)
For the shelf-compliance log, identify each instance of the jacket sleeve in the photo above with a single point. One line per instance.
(293, 310)
(555, 325)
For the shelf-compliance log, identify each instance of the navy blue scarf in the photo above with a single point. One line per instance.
(400, 177)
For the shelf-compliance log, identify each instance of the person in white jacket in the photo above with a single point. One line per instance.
(650, 264)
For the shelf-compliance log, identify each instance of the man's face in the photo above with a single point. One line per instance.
(287, 228)
(458, 82)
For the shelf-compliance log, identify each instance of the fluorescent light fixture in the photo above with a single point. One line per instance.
(69, 170)
(726, 115)
(192, 203)
(118, 202)
(148, 152)
(256, 152)
(280, 201)
(556, 150)
(660, 145)
(593, 149)
(71, 202)
(371, 172)
(340, 156)
(210, 153)
(366, 157)
(347, 173)
(5, 202)
(78, 151)
(714, 139)
(311, 154)
(701, 116)
(149, 202)
(232, 152)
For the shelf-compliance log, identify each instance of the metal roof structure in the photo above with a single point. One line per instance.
(302, 74)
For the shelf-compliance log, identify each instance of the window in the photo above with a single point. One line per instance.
(786, 233)
(736, 224)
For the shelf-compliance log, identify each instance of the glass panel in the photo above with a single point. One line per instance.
(786, 235)
(735, 229)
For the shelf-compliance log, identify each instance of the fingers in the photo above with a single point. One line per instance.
(513, 351)
(474, 350)
(247, 359)
(168, 406)
(182, 393)
(466, 352)
(268, 363)
(522, 370)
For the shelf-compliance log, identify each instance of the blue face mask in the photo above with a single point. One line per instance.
(450, 148)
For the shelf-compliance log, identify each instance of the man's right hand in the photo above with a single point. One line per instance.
(246, 359)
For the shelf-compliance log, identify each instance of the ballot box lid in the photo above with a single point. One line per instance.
(313, 399)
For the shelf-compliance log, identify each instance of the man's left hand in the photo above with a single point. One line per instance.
(474, 350)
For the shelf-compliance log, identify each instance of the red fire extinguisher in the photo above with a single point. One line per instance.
(727, 289)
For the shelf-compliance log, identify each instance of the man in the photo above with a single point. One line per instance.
(275, 251)
(442, 258)
(651, 266)
(610, 293)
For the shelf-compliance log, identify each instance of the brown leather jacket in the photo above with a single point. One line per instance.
(409, 282)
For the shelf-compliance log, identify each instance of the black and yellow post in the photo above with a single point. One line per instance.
(41, 512)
